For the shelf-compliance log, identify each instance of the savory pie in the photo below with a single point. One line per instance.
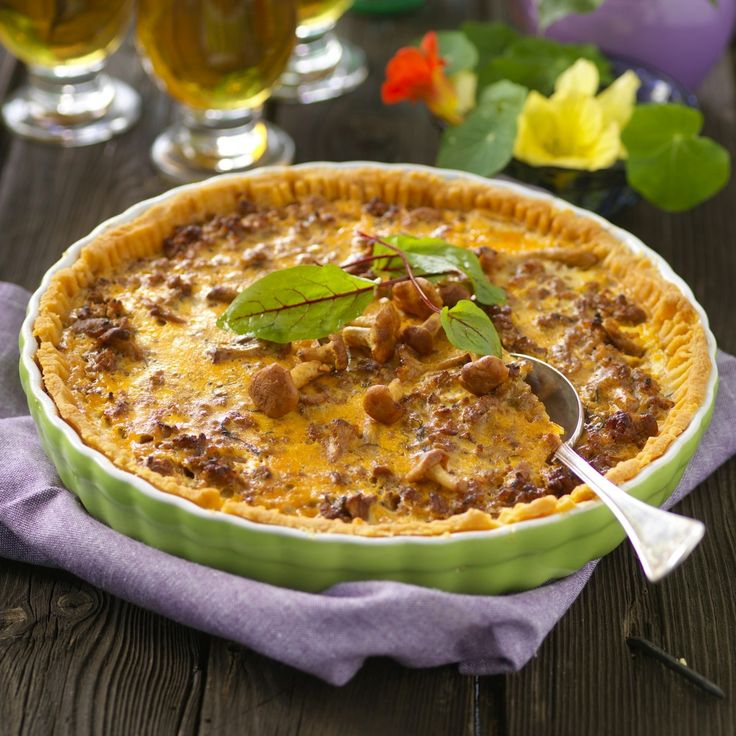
(383, 427)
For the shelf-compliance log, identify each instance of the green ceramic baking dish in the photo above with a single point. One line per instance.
(516, 557)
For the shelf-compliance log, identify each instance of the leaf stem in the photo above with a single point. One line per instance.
(400, 253)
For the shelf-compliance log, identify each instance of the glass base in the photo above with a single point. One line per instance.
(321, 68)
(202, 144)
(56, 116)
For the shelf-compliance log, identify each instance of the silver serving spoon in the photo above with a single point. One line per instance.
(662, 540)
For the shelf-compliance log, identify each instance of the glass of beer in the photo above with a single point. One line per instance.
(67, 99)
(219, 59)
(322, 65)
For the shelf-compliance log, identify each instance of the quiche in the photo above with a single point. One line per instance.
(383, 427)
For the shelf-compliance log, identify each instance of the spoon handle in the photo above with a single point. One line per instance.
(662, 540)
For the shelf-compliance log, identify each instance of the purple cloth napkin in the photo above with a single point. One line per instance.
(328, 634)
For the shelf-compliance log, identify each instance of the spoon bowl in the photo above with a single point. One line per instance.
(662, 540)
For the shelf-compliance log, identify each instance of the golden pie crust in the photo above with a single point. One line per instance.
(673, 335)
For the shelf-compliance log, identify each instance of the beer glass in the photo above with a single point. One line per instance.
(67, 99)
(218, 59)
(321, 66)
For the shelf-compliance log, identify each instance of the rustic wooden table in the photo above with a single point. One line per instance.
(76, 660)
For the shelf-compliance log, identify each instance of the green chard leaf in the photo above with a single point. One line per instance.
(489, 39)
(421, 265)
(453, 257)
(469, 328)
(550, 11)
(484, 142)
(668, 162)
(299, 303)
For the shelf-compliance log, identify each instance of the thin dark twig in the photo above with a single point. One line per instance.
(400, 253)
(646, 647)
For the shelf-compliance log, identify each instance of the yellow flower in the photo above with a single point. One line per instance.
(574, 128)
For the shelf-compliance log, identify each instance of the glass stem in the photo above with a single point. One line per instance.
(315, 55)
(69, 95)
(209, 137)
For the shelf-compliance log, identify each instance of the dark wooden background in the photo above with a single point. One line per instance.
(76, 660)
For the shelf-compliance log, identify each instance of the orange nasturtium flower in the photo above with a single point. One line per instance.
(419, 74)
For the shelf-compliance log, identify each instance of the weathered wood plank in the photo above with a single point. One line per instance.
(247, 692)
(75, 660)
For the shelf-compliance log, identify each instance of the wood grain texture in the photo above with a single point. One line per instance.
(75, 660)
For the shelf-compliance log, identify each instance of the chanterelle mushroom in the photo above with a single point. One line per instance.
(432, 465)
(483, 375)
(421, 337)
(380, 338)
(452, 292)
(382, 402)
(304, 373)
(407, 298)
(275, 390)
(332, 353)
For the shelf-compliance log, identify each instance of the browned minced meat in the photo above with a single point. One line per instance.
(337, 438)
(421, 214)
(247, 207)
(194, 443)
(378, 208)
(553, 319)
(182, 239)
(180, 286)
(347, 508)
(619, 307)
(606, 439)
(560, 480)
(511, 337)
(517, 488)
(214, 471)
(161, 464)
(231, 225)
(92, 326)
(97, 306)
(118, 409)
(102, 360)
(162, 313)
(222, 293)
(257, 255)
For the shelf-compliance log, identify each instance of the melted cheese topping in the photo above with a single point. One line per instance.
(171, 390)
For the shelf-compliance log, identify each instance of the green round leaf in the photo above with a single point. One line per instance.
(484, 143)
(489, 39)
(668, 162)
(457, 51)
(651, 125)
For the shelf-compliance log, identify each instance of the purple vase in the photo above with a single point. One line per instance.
(684, 38)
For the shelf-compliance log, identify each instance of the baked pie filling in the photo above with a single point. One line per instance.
(383, 427)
